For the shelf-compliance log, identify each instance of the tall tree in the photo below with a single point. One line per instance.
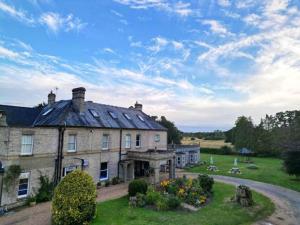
(244, 133)
(174, 135)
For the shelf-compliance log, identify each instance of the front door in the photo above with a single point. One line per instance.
(141, 168)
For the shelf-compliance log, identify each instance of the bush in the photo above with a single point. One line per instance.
(115, 181)
(173, 202)
(206, 182)
(226, 150)
(140, 200)
(107, 183)
(291, 161)
(30, 199)
(45, 191)
(162, 204)
(137, 186)
(152, 196)
(74, 200)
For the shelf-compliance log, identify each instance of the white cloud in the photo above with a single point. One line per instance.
(216, 27)
(6, 53)
(224, 3)
(159, 43)
(17, 14)
(56, 22)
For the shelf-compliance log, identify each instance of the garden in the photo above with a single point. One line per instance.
(217, 207)
(268, 170)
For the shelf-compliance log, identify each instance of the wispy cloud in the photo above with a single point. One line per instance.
(20, 15)
(216, 27)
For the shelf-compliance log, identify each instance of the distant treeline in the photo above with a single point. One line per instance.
(271, 137)
(215, 135)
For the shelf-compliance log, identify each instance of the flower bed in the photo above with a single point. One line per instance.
(171, 194)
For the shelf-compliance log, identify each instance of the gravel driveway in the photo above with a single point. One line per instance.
(287, 201)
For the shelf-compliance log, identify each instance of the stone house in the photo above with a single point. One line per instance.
(105, 141)
(186, 155)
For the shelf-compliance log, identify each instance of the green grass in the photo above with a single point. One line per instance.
(219, 212)
(269, 171)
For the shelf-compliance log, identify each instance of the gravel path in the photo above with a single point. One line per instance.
(287, 201)
(41, 213)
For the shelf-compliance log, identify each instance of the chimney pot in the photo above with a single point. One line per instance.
(51, 98)
(138, 106)
(78, 96)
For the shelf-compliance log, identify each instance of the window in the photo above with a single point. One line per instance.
(23, 185)
(178, 160)
(105, 141)
(157, 138)
(69, 169)
(128, 141)
(47, 112)
(141, 118)
(138, 140)
(112, 114)
(94, 113)
(72, 143)
(27, 144)
(191, 158)
(103, 171)
(183, 159)
(127, 116)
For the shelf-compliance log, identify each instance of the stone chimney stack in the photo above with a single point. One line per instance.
(3, 122)
(51, 98)
(138, 106)
(78, 99)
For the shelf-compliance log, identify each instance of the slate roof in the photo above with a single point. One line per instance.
(63, 114)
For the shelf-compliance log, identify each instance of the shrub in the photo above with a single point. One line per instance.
(252, 167)
(292, 162)
(74, 200)
(137, 186)
(140, 200)
(226, 150)
(206, 182)
(115, 181)
(107, 183)
(162, 204)
(11, 175)
(173, 202)
(30, 199)
(152, 196)
(45, 191)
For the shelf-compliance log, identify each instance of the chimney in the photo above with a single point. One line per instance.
(3, 122)
(138, 106)
(78, 99)
(51, 98)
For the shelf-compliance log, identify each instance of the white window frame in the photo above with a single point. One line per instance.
(24, 176)
(23, 145)
(69, 169)
(157, 137)
(191, 158)
(106, 178)
(178, 160)
(140, 141)
(75, 143)
(128, 141)
(107, 142)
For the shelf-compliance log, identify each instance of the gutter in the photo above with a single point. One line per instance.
(58, 161)
(120, 152)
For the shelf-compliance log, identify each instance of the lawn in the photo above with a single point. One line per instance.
(269, 171)
(219, 212)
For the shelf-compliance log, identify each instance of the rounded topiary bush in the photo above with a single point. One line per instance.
(137, 186)
(206, 182)
(74, 200)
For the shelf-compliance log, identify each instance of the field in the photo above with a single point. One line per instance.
(219, 212)
(269, 170)
(205, 143)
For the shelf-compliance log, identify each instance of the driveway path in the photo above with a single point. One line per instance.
(41, 213)
(287, 201)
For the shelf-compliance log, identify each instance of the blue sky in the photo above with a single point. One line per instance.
(200, 63)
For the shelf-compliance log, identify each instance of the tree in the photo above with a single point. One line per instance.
(174, 135)
(292, 162)
(244, 133)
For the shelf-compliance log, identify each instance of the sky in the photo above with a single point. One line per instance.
(201, 63)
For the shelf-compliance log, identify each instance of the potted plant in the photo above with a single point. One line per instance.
(31, 200)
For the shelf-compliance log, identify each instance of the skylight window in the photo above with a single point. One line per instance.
(127, 116)
(94, 113)
(113, 115)
(141, 118)
(47, 112)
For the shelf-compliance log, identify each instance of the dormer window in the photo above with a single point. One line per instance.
(141, 118)
(113, 115)
(94, 113)
(47, 112)
(127, 116)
